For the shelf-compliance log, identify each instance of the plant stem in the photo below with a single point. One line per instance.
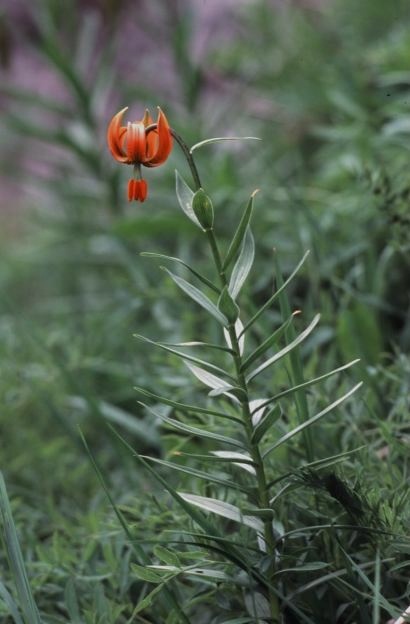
(262, 489)
(189, 158)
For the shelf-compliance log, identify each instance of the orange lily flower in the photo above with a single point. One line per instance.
(139, 143)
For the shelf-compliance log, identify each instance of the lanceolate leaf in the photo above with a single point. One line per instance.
(266, 422)
(236, 458)
(275, 294)
(182, 355)
(280, 354)
(311, 421)
(221, 508)
(199, 297)
(240, 232)
(239, 335)
(306, 384)
(200, 474)
(209, 573)
(257, 408)
(185, 196)
(218, 139)
(243, 264)
(193, 431)
(202, 278)
(218, 385)
(269, 342)
(183, 407)
(230, 551)
(197, 343)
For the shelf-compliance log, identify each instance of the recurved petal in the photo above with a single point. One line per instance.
(115, 134)
(164, 145)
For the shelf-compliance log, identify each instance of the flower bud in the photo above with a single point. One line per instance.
(228, 307)
(203, 209)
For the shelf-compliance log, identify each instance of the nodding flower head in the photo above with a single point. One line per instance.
(144, 142)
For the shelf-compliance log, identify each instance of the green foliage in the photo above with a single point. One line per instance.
(328, 95)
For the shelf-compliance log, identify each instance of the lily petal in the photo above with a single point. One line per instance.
(164, 146)
(115, 132)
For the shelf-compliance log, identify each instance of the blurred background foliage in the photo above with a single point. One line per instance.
(326, 85)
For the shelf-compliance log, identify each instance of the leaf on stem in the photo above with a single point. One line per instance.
(237, 459)
(218, 139)
(243, 265)
(240, 232)
(306, 384)
(198, 296)
(183, 356)
(219, 386)
(275, 294)
(280, 354)
(192, 431)
(238, 332)
(202, 278)
(269, 342)
(226, 510)
(263, 426)
(310, 421)
(200, 474)
(185, 198)
(183, 407)
(257, 408)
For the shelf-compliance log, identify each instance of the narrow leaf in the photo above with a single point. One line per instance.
(243, 265)
(240, 232)
(202, 278)
(221, 508)
(239, 336)
(182, 355)
(218, 139)
(184, 407)
(200, 474)
(185, 196)
(237, 458)
(199, 297)
(280, 354)
(257, 408)
(275, 294)
(269, 342)
(10, 604)
(306, 384)
(193, 431)
(219, 386)
(15, 557)
(310, 421)
(266, 422)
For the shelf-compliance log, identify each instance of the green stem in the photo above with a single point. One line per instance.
(262, 485)
(189, 158)
(262, 489)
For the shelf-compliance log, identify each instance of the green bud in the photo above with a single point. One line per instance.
(203, 209)
(227, 306)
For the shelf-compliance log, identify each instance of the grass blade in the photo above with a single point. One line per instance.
(15, 557)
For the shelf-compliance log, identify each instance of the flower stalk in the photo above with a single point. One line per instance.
(253, 447)
(262, 484)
